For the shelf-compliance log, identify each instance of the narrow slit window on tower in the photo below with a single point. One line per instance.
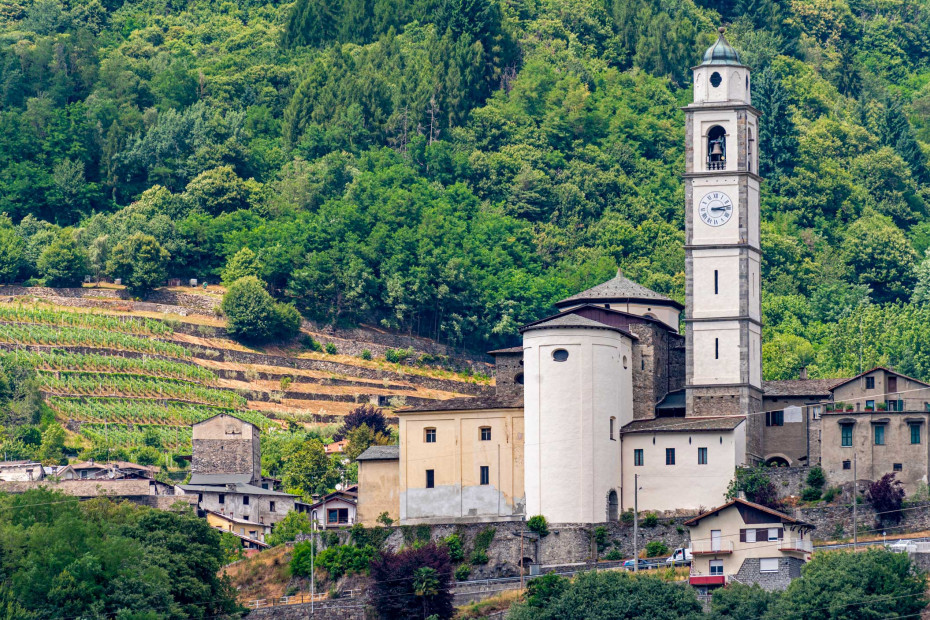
(716, 282)
(613, 422)
(716, 348)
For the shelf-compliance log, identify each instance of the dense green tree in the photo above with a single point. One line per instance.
(140, 261)
(307, 469)
(878, 253)
(243, 263)
(12, 252)
(253, 315)
(613, 595)
(64, 261)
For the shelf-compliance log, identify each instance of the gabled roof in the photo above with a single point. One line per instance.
(350, 498)
(684, 425)
(780, 516)
(801, 387)
(234, 519)
(843, 382)
(618, 289)
(238, 488)
(380, 453)
(507, 351)
(225, 413)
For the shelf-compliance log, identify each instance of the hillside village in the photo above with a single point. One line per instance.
(614, 413)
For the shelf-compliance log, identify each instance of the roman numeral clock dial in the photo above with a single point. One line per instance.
(715, 209)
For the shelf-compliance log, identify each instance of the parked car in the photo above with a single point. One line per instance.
(681, 557)
(643, 564)
(901, 546)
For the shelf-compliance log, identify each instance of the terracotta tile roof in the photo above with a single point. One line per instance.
(780, 515)
(801, 387)
(886, 369)
(684, 425)
(615, 289)
(467, 403)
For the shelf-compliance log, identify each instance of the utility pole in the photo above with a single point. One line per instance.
(635, 523)
(312, 554)
(522, 566)
(855, 504)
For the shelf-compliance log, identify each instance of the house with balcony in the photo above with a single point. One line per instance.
(748, 543)
(877, 424)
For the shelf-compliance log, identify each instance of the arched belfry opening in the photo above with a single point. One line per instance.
(613, 506)
(716, 148)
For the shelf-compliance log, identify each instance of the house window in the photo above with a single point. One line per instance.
(337, 515)
(716, 282)
(245, 500)
(485, 433)
(271, 506)
(915, 433)
(847, 464)
(846, 431)
(870, 383)
(430, 479)
(702, 456)
(200, 498)
(879, 434)
(716, 567)
(768, 565)
(485, 474)
(870, 404)
(638, 458)
(895, 405)
(430, 435)
(83, 474)
(748, 535)
(774, 534)
(774, 418)
(670, 456)
(613, 421)
(897, 467)
(222, 498)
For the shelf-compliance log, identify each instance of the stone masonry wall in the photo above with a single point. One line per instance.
(507, 367)
(222, 456)
(788, 569)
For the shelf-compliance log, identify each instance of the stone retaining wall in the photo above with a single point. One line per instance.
(788, 481)
(338, 609)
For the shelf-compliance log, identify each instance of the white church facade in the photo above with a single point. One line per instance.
(606, 394)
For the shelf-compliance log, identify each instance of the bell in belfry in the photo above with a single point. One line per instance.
(716, 150)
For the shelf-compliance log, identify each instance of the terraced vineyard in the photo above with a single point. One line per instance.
(118, 380)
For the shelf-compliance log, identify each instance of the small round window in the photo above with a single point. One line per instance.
(560, 355)
(715, 79)
(519, 378)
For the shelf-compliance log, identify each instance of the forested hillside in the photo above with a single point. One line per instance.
(451, 167)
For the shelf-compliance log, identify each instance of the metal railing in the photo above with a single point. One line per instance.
(796, 544)
(709, 547)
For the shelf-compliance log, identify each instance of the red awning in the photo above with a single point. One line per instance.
(707, 580)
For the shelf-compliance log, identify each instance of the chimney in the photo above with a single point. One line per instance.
(803, 374)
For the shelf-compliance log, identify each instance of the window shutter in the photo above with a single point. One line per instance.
(762, 534)
(742, 535)
(781, 533)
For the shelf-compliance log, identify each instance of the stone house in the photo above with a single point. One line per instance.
(21, 471)
(378, 484)
(112, 470)
(792, 408)
(749, 543)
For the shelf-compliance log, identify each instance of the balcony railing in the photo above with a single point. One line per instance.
(796, 544)
(711, 547)
(716, 165)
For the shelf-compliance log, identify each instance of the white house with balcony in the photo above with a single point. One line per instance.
(749, 543)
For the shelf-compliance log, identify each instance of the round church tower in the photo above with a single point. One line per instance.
(578, 393)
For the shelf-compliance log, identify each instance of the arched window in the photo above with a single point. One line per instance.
(716, 148)
(613, 506)
(519, 378)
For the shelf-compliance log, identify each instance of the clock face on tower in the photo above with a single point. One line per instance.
(715, 209)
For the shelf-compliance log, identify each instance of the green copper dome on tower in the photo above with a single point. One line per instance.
(721, 52)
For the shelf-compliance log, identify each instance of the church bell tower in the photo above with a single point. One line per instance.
(723, 310)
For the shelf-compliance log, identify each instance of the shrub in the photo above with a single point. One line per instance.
(613, 554)
(886, 496)
(253, 316)
(810, 494)
(243, 263)
(600, 537)
(830, 494)
(650, 519)
(286, 383)
(463, 572)
(369, 415)
(331, 348)
(385, 520)
(453, 544)
(656, 549)
(539, 525)
(816, 478)
(344, 560)
(479, 557)
(627, 516)
(366, 354)
(399, 588)
(288, 528)
(756, 484)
